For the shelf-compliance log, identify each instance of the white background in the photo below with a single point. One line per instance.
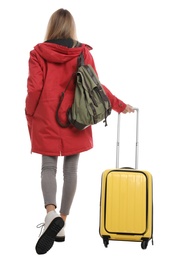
(131, 43)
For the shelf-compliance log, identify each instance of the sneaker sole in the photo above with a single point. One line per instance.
(46, 241)
(59, 239)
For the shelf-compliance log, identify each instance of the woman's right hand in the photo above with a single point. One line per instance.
(128, 109)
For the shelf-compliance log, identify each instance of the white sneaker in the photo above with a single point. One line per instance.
(53, 224)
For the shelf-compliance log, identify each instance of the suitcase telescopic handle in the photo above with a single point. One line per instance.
(137, 139)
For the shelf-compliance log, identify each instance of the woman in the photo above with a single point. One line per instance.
(51, 65)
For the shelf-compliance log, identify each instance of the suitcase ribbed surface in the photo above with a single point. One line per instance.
(126, 202)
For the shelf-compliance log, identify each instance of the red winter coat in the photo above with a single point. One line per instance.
(50, 68)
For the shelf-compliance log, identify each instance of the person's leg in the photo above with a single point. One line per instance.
(48, 181)
(70, 167)
(53, 222)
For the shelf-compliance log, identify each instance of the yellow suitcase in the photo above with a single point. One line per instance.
(126, 201)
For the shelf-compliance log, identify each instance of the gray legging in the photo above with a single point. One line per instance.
(49, 184)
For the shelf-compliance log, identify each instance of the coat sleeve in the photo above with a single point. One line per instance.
(34, 87)
(117, 104)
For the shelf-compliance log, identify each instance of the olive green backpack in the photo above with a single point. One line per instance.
(91, 104)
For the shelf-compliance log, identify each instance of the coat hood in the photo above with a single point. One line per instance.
(56, 53)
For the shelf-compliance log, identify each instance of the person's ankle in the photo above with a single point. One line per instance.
(50, 208)
(63, 217)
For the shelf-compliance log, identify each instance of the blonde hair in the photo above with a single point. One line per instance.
(61, 25)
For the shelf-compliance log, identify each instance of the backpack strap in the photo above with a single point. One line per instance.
(59, 105)
(81, 60)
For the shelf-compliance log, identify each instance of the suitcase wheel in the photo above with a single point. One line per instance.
(106, 241)
(144, 243)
